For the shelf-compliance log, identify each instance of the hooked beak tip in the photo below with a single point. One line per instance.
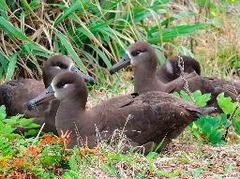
(91, 81)
(111, 71)
(30, 105)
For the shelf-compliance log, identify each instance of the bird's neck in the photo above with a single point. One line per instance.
(145, 79)
(165, 75)
(70, 115)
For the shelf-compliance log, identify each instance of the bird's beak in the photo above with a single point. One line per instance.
(125, 61)
(88, 79)
(47, 95)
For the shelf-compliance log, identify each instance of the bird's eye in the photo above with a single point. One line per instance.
(63, 84)
(137, 52)
(61, 65)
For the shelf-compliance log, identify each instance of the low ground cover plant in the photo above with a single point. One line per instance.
(46, 156)
(214, 129)
(94, 34)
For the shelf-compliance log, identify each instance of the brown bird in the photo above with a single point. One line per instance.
(144, 61)
(171, 69)
(154, 116)
(14, 94)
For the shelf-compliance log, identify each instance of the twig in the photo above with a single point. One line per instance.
(98, 135)
(123, 130)
(79, 138)
(230, 119)
(235, 110)
(186, 85)
(128, 118)
(39, 132)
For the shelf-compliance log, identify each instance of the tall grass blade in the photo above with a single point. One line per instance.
(77, 6)
(168, 34)
(3, 61)
(102, 55)
(35, 50)
(11, 31)
(11, 66)
(70, 50)
(3, 8)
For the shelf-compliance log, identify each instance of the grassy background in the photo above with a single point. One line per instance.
(95, 34)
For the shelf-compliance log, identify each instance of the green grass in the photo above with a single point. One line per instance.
(95, 34)
(47, 157)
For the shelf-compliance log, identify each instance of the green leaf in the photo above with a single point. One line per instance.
(223, 121)
(70, 175)
(210, 129)
(71, 51)
(77, 6)
(28, 7)
(216, 136)
(183, 95)
(11, 66)
(27, 123)
(5, 147)
(176, 31)
(73, 163)
(25, 6)
(12, 121)
(35, 49)
(7, 129)
(226, 104)
(3, 8)
(12, 31)
(3, 60)
(236, 124)
(201, 99)
(3, 113)
(202, 3)
(164, 174)
(50, 156)
(151, 155)
(176, 94)
(31, 133)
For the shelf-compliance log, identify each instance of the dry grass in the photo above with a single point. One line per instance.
(217, 50)
(201, 161)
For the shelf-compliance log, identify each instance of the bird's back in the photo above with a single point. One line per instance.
(148, 117)
(14, 94)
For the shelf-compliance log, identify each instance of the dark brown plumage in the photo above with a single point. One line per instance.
(171, 70)
(14, 94)
(143, 59)
(154, 116)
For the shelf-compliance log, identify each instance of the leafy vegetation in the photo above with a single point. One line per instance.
(232, 109)
(92, 32)
(95, 33)
(198, 98)
(15, 123)
(46, 156)
(213, 130)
